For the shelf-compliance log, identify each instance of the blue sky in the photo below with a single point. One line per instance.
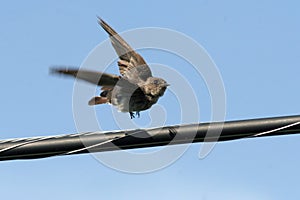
(255, 45)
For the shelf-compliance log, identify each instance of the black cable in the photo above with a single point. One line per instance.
(40, 147)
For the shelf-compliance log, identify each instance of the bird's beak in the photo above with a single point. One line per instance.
(167, 84)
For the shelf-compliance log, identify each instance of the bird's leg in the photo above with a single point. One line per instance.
(131, 115)
(138, 113)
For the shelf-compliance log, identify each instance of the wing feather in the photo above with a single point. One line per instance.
(97, 78)
(131, 64)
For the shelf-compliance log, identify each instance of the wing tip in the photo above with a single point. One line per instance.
(101, 22)
(106, 27)
(54, 70)
(99, 19)
(62, 70)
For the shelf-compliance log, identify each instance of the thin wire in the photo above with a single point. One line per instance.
(101, 143)
(28, 141)
(32, 140)
(276, 129)
(89, 147)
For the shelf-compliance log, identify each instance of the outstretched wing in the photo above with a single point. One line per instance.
(131, 64)
(98, 78)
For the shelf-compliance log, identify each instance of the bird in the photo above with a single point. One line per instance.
(134, 90)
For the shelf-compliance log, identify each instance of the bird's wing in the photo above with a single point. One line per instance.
(131, 64)
(98, 78)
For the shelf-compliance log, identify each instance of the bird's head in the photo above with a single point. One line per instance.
(155, 86)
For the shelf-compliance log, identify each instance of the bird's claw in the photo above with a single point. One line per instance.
(132, 115)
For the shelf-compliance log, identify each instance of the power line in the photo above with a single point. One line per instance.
(41, 147)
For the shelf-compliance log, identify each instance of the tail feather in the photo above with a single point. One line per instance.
(98, 100)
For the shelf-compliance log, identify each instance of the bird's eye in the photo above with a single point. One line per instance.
(155, 82)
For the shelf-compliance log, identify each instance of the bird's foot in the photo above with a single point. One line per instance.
(138, 114)
(131, 115)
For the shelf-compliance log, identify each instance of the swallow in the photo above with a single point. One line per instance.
(134, 90)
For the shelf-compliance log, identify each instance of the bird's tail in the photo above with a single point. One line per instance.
(98, 100)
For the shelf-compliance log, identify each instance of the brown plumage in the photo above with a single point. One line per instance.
(134, 91)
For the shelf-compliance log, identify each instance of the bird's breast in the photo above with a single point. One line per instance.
(129, 101)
